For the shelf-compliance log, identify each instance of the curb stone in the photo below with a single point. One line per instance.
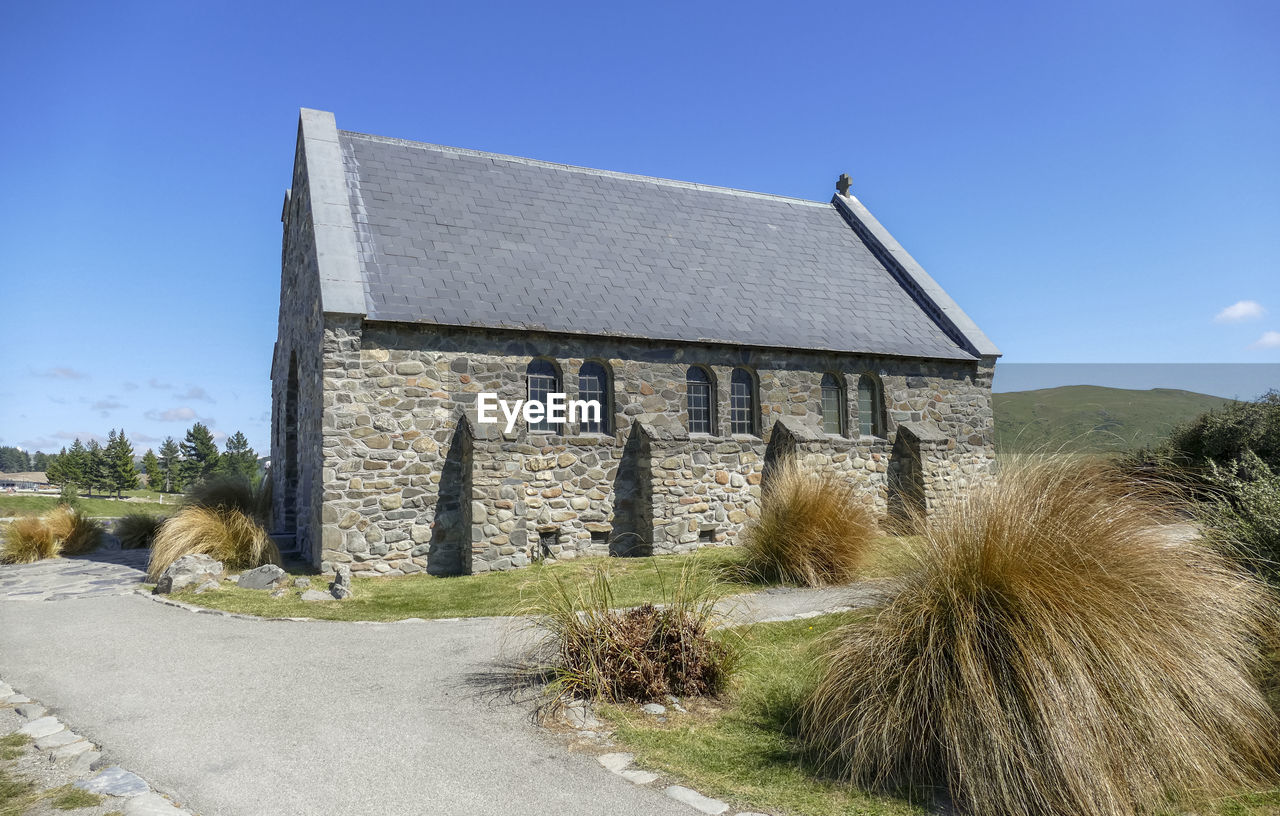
(79, 757)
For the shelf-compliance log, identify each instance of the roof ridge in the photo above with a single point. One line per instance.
(574, 168)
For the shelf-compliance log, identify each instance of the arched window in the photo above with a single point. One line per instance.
(593, 384)
(869, 407)
(544, 379)
(832, 405)
(742, 402)
(698, 400)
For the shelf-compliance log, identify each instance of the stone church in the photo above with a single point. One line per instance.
(719, 329)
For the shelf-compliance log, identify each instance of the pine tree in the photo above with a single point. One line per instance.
(151, 467)
(94, 467)
(171, 465)
(119, 470)
(40, 460)
(199, 455)
(239, 459)
(55, 469)
(13, 460)
(76, 464)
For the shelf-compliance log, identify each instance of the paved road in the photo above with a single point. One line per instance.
(235, 717)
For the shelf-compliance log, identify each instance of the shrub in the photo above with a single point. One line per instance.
(592, 651)
(234, 493)
(224, 534)
(813, 529)
(1224, 436)
(1053, 652)
(76, 533)
(1243, 514)
(137, 530)
(27, 539)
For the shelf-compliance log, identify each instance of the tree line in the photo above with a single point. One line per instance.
(16, 460)
(179, 464)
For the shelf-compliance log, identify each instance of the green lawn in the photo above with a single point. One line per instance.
(738, 749)
(19, 505)
(634, 581)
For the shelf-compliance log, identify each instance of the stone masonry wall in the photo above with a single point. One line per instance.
(408, 484)
(299, 348)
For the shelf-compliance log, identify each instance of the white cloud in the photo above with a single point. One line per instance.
(106, 406)
(1240, 311)
(154, 383)
(172, 415)
(195, 392)
(131, 386)
(1268, 340)
(61, 373)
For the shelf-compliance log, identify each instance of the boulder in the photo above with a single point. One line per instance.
(316, 595)
(340, 588)
(263, 577)
(187, 571)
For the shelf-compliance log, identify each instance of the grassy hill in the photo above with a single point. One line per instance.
(1091, 418)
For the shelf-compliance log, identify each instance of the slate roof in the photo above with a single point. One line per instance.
(460, 237)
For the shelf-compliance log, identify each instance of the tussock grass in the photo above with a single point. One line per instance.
(77, 533)
(227, 535)
(813, 529)
(26, 540)
(234, 493)
(591, 650)
(1053, 653)
(137, 530)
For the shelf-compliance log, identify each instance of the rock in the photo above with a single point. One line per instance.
(115, 781)
(305, 583)
(580, 716)
(639, 777)
(32, 711)
(152, 804)
(653, 708)
(697, 801)
(189, 570)
(6, 690)
(207, 586)
(263, 577)
(279, 592)
(15, 699)
(340, 588)
(69, 752)
(57, 740)
(615, 762)
(316, 595)
(42, 727)
(84, 763)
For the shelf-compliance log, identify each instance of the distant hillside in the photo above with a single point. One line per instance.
(1092, 418)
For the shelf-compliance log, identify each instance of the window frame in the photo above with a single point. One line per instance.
(876, 407)
(709, 382)
(833, 384)
(605, 396)
(557, 386)
(752, 396)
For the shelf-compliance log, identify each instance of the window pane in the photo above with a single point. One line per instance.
(832, 405)
(742, 407)
(698, 384)
(866, 406)
(543, 380)
(593, 384)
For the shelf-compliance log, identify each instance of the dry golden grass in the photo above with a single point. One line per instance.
(234, 493)
(137, 530)
(27, 539)
(1053, 653)
(76, 533)
(224, 534)
(813, 529)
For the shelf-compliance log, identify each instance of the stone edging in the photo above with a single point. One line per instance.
(80, 757)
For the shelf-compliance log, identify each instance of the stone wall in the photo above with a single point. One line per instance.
(301, 351)
(410, 482)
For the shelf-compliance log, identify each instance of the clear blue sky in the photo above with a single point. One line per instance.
(1092, 181)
